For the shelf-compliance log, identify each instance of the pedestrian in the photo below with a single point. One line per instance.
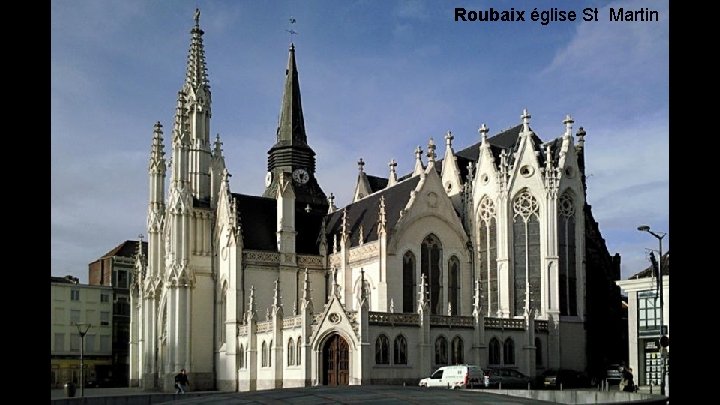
(181, 382)
(629, 382)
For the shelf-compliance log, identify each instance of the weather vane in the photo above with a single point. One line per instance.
(290, 30)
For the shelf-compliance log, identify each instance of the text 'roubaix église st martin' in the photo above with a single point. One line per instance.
(554, 14)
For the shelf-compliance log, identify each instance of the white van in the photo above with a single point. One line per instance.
(457, 376)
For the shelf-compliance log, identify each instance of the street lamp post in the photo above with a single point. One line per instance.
(659, 236)
(82, 330)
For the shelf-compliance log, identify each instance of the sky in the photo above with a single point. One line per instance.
(378, 78)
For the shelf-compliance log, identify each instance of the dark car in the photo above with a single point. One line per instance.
(613, 374)
(563, 378)
(507, 378)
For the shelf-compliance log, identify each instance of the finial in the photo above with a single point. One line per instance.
(218, 145)
(526, 120)
(418, 152)
(431, 150)
(276, 298)
(568, 121)
(448, 139)
(392, 179)
(331, 204)
(392, 165)
(361, 231)
(307, 208)
(581, 136)
(361, 164)
(197, 17)
(292, 32)
(483, 132)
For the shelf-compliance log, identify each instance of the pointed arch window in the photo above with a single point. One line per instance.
(430, 266)
(538, 352)
(400, 352)
(291, 352)
(454, 285)
(487, 247)
(566, 253)
(409, 283)
(494, 351)
(441, 356)
(456, 351)
(242, 356)
(223, 310)
(382, 344)
(264, 352)
(526, 252)
(509, 351)
(298, 352)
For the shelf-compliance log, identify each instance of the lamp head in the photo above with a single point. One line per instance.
(643, 228)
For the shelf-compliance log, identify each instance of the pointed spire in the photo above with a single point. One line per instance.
(525, 120)
(419, 168)
(471, 172)
(335, 288)
(335, 248)
(331, 204)
(476, 297)
(381, 216)
(291, 128)
(276, 297)
(217, 151)
(345, 231)
(392, 179)
(251, 313)
(196, 75)
(431, 152)
(307, 297)
(581, 137)
(225, 179)
(157, 152)
(423, 294)
(361, 240)
(361, 165)
(568, 121)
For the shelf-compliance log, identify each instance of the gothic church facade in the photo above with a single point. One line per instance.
(478, 257)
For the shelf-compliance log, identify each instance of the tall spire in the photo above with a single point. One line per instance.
(291, 128)
(196, 75)
(157, 152)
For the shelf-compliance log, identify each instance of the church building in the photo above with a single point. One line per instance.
(478, 256)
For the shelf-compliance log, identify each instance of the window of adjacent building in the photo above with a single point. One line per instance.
(381, 350)
(299, 351)
(441, 356)
(74, 342)
(538, 352)
(509, 351)
(59, 315)
(526, 252)
(74, 295)
(454, 285)
(89, 343)
(400, 350)
(487, 256)
(104, 297)
(409, 287)
(90, 316)
(430, 264)
(457, 351)
(59, 342)
(566, 254)
(121, 279)
(74, 316)
(104, 318)
(648, 312)
(291, 352)
(494, 351)
(105, 343)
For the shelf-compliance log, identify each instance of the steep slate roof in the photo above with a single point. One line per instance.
(376, 183)
(365, 212)
(258, 219)
(126, 249)
(648, 272)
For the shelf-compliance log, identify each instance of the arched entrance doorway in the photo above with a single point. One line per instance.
(336, 361)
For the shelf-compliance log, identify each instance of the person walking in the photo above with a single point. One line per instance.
(181, 382)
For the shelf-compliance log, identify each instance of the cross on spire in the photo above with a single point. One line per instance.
(291, 31)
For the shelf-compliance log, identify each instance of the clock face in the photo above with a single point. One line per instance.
(268, 179)
(301, 176)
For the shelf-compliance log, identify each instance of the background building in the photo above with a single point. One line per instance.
(488, 255)
(644, 350)
(114, 270)
(72, 303)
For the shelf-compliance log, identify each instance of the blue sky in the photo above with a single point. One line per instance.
(377, 78)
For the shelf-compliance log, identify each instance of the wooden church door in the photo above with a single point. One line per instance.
(336, 354)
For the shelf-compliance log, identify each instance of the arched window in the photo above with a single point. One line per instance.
(456, 351)
(487, 248)
(430, 264)
(526, 251)
(264, 354)
(441, 350)
(291, 352)
(509, 351)
(494, 349)
(382, 345)
(299, 351)
(242, 356)
(409, 282)
(270, 354)
(223, 310)
(454, 285)
(566, 253)
(538, 352)
(400, 352)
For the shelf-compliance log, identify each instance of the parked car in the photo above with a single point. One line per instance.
(613, 374)
(564, 378)
(507, 378)
(457, 376)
